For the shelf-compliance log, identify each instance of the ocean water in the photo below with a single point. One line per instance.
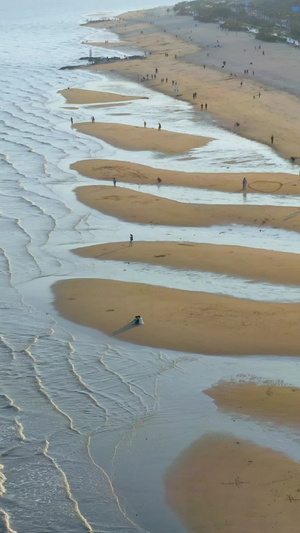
(89, 424)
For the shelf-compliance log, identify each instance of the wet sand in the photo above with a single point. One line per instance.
(270, 401)
(144, 208)
(274, 112)
(249, 263)
(186, 321)
(140, 138)
(103, 169)
(233, 486)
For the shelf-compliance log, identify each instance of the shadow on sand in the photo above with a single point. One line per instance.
(131, 325)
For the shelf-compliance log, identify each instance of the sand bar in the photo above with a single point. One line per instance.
(249, 263)
(137, 138)
(194, 322)
(275, 112)
(134, 206)
(234, 486)
(272, 402)
(83, 96)
(258, 182)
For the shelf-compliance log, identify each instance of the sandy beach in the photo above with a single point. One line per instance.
(187, 321)
(232, 486)
(83, 97)
(249, 263)
(140, 138)
(260, 109)
(125, 172)
(134, 206)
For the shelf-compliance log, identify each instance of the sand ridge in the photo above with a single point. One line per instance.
(142, 208)
(83, 96)
(233, 486)
(248, 263)
(270, 401)
(141, 138)
(196, 322)
(123, 171)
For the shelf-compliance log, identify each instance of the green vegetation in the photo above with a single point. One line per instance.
(269, 37)
(274, 19)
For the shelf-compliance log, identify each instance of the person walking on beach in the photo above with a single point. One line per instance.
(245, 184)
(130, 239)
(71, 120)
(114, 182)
(93, 119)
(272, 139)
(159, 126)
(145, 123)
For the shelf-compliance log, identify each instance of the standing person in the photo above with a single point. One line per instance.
(114, 182)
(245, 184)
(145, 123)
(93, 119)
(159, 126)
(71, 120)
(130, 239)
(272, 139)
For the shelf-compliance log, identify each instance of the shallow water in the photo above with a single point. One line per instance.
(208, 197)
(88, 423)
